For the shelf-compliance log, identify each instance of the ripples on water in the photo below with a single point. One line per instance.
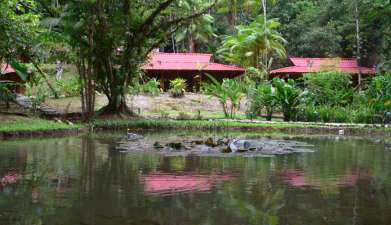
(85, 180)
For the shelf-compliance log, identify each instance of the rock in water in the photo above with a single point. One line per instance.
(175, 145)
(133, 137)
(226, 150)
(157, 145)
(222, 141)
(210, 142)
(239, 146)
(197, 142)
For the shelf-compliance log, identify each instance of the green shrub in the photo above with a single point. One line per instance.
(325, 113)
(364, 114)
(310, 114)
(262, 97)
(151, 87)
(288, 97)
(6, 95)
(69, 88)
(329, 88)
(342, 115)
(379, 94)
(177, 87)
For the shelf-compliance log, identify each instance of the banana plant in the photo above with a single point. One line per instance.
(288, 97)
(228, 91)
(235, 94)
(263, 97)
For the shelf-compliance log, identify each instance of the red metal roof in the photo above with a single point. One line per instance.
(186, 62)
(311, 65)
(180, 57)
(6, 68)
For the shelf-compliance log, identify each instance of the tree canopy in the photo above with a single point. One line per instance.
(109, 41)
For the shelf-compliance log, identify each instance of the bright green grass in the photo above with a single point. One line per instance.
(173, 114)
(191, 124)
(34, 125)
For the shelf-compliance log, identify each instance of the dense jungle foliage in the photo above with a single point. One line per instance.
(108, 42)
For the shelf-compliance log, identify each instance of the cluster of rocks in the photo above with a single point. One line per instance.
(218, 147)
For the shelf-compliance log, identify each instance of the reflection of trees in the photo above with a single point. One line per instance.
(88, 165)
(258, 205)
(45, 167)
(102, 186)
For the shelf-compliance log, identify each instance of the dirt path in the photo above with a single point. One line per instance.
(161, 106)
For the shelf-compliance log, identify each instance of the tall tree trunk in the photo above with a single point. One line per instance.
(117, 106)
(87, 75)
(191, 45)
(233, 13)
(266, 57)
(358, 42)
(87, 91)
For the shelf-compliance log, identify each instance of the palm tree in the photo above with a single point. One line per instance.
(198, 31)
(254, 44)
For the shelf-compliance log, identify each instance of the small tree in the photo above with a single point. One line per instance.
(216, 89)
(235, 94)
(229, 93)
(113, 39)
(151, 87)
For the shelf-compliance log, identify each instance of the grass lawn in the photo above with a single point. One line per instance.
(12, 123)
(192, 124)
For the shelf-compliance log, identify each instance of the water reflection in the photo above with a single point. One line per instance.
(83, 180)
(298, 179)
(170, 184)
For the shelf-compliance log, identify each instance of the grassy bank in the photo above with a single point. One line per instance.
(35, 125)
(233, 125)
(191, 124)
(19, 126)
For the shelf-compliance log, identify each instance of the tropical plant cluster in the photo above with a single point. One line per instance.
(324, 97)
(177, 87)
(228, 92)
(277, 95)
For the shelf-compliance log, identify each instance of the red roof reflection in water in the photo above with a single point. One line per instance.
(10, 178)
(297, 179)
(169, 184)
(351, 178)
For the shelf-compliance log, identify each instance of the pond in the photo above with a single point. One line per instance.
(85, 180)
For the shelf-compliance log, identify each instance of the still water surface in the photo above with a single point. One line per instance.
(84, 180)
